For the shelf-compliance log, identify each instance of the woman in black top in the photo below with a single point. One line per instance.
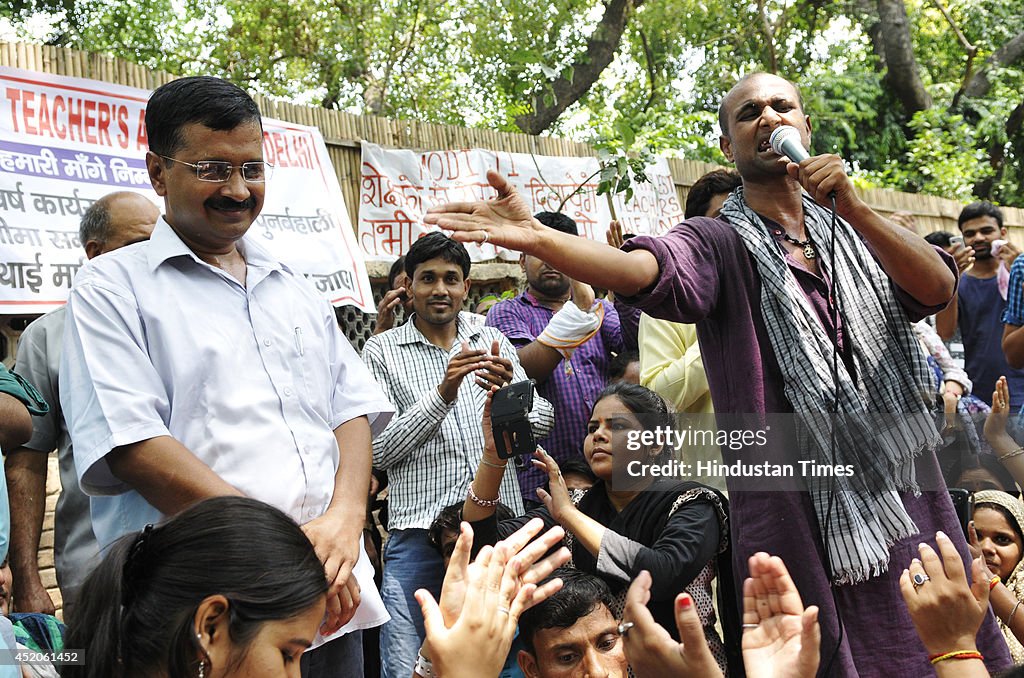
(676, 530)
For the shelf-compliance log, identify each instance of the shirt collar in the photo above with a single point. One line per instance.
(465, 331)
(164, 244)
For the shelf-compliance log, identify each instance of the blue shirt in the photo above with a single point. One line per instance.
(1014, 312)
(980, 309)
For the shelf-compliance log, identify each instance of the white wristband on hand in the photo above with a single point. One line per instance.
(570, 328)
(424, 667)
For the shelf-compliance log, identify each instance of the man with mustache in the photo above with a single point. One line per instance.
(569, 378)
(197, 365)
(436, 369)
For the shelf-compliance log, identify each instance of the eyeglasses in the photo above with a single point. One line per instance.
(219, 171)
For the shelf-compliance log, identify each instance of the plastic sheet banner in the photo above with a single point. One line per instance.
(398, 186)
(66, 142)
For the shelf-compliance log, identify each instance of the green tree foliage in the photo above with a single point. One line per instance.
(593, 68)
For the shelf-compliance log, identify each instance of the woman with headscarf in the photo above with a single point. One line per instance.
(999, 534)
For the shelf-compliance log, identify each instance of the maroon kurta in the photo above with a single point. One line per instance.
(708, 278)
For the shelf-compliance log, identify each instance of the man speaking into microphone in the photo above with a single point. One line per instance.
(760, 283)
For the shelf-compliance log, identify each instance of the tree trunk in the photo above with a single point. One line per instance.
(1009, 53)
(997, 154)
(867, 10)
(902, 78)
(587, 68)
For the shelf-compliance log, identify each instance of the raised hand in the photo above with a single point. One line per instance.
(780, 637)
(946, 611)
(1008, 253)
(614, 234)
(963, 255)
(461, 364)
(470, 631)
(995, 423)
(496, 370)
(386, 309)
(650, 649)
(556, 498)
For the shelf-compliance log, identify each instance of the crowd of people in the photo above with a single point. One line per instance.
(245, 495)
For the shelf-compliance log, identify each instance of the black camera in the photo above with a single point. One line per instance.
(510, 424)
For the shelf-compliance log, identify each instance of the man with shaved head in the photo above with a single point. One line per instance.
(760, 282)
(114, 221)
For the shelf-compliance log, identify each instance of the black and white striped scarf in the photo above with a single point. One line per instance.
(883, 417)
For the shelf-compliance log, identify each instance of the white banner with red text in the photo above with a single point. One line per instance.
(65, 142)
(398, 186)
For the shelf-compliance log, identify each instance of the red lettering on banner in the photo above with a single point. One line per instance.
(59, 107)
(284, 149)
(44, 117)
(14, 96)
(511, 171)
(27, 112)
(141, 138)
(75, 120)
(104, 123)
(90, 121)
(66, 117)
(122, 127)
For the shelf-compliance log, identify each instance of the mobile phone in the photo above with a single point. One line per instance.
(963, 504)
(510, 423)
(956, 240)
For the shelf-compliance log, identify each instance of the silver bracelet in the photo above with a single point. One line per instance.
(424, 667)
(493, 465)
(482, 503)
(1009, 620)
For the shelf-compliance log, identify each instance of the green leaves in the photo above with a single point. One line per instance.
(490, 63)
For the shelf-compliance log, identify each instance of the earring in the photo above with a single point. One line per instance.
(202, 662)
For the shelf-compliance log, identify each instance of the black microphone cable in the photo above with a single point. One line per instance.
(835, 315)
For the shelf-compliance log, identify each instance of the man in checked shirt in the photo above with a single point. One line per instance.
(436, 370)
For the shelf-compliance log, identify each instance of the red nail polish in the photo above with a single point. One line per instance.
(684, 602)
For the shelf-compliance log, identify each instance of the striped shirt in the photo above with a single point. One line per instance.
(431, 449)
(1013, 314)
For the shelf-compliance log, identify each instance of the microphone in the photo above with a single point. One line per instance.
(785, 140)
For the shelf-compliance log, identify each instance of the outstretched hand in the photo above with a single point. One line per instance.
(470, 631)
(650, 649)
(506, 220)
(946, 611)
(556, 498)
(995, 423)
(780, 637)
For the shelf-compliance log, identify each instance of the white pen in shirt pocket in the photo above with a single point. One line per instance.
(298, 341)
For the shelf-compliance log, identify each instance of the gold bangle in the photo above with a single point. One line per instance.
(1016, 453)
